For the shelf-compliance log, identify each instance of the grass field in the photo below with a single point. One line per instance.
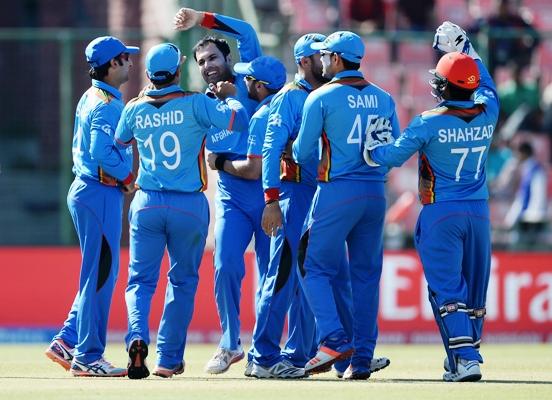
(510, 372)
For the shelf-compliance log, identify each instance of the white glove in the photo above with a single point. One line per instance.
(450, 37)
(368, 158)
(379, 133)
(187, 18)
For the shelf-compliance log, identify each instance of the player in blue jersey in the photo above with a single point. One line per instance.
(239, 201)
(169, 209)
(453, 232)
(349, 204)
(170, 201)
(95, 200)
(293, 195)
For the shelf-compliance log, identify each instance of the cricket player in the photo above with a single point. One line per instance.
(239, 202)
(453, 232)
(169, 210)
(349, 203)
(289, 190)
(95, 200)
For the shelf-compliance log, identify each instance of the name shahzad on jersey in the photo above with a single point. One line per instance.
(455, 135)
(155, 120)
(362, 101)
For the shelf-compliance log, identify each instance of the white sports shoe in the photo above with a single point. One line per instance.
(248, 369)
(222, 359)
(376, 364)
(99, 367)
(281, 370)
(466, 371)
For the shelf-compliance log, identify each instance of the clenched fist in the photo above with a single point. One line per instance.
(187, 18)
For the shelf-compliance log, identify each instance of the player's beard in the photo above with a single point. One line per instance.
(221, 75)
(317, 74)
(252, 92)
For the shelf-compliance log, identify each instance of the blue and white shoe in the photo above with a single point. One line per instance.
(466, 371)
(281, 370)
(376, 365)
(98, 368)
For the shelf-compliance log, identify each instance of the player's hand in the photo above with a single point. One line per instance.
(450, 37)
(272, 218)
(149, 86)
(187, 18)
(288, 151)
(211, 158)
(223, 89)
(379, 133)
(128, 189)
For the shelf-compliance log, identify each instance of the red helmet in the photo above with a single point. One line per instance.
(458, 69)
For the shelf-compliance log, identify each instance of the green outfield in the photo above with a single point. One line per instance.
(510, 372)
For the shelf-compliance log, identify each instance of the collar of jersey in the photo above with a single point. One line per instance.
(301, 81)
(164, 91)
(347, 74)
(266, 100)
(109, 88)
(461, 104)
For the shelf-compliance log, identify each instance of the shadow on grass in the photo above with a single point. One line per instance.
(309, 379)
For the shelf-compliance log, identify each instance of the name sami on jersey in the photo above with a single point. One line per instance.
(455, 135)
(362, 101)
(155, 120)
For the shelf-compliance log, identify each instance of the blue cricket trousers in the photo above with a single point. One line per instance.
(179, 222)
(96, 210)
(454, 243)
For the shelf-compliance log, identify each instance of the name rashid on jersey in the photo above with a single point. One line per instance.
(155, 120)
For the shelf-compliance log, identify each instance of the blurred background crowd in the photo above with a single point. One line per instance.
(43, 73)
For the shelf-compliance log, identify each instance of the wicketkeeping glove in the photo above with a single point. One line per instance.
(450, 37)
(379, 133)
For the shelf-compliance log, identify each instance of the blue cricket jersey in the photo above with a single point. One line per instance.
(257, 128)
(284, 121)
(94, 154)
(234, 142)
(169, 126)
(453, 141)
(338, 113)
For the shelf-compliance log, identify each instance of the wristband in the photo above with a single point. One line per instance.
(271, 195)
(219, 162)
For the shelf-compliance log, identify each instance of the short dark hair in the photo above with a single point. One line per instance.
(458, 93)
(526, 149)
(221, 44)
(350, 65)
(167, 79)
(99, 73)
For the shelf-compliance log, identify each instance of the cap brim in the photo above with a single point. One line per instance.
(132, 49)
(242, 68)
(318, 46)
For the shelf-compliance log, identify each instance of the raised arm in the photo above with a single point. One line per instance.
(248, 42)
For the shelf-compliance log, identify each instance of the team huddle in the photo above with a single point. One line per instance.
(301, 168)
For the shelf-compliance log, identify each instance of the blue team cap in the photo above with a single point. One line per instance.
(303, 48)
(265, 69)
(162, 61)
(347, 44)
(102, 49)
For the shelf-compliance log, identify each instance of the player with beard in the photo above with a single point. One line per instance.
(288, 193)
(239, 202)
